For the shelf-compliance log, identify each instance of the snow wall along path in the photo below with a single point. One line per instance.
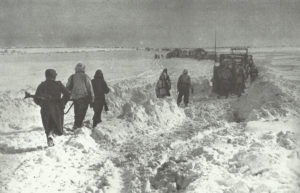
(131, 101)
(17, 114)
(268, 99)
(133, 108)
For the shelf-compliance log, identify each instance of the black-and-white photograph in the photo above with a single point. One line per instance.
(149, 96)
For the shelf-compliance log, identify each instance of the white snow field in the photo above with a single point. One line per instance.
(249, 144)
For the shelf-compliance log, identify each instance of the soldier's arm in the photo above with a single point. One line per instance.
(169, 81)
(244, 75)
(178, 83)
(191, 86)
(66, 93)
(90, 88)
(106, 88)
(38, 93)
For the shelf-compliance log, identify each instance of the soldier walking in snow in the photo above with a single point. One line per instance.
(253, 73)
(225, 78)
(81, 93)
(183, 87)
(163, 85)
(100, 89)
(239, 80)
(48, 96)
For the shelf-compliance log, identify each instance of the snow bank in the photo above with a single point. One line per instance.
(82, 140)
(263, 100)
(16, 113)
(135, 109)
(202, 89)
(132, 106)
(74, 164)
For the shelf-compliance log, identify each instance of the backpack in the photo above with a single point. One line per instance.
(71, 86)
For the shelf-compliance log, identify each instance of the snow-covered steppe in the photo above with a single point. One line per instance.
(249, 144)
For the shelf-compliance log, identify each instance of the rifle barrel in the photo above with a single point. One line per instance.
(28, 95)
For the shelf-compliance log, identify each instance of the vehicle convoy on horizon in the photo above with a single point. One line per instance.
(197, 53)
(232, 72)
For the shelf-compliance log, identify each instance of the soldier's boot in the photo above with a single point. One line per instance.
(50, 139)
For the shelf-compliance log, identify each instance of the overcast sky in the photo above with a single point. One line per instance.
(154, 23)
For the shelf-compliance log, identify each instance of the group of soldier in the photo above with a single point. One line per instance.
(184, 86)
(83, 91)
(158, 56)
(52, 96)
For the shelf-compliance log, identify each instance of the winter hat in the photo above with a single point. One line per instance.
(165, 70)
(50, 74)
(80, 67)
(98, 74)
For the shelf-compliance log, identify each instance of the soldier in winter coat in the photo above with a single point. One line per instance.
(81, 93)
(253, 73)
(239, 81)
(225, 78)
(163, 85)
(183, 87)
(49, 96)
(100, 89)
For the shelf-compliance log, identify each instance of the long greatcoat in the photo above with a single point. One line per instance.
(100, 89)
(48, 96)
(163, 86)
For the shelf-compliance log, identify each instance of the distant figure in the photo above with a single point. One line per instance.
(183, 87)
(239, 80)
(100, 89)
(253, 73)
(225, 80)
(156, 56)
(163, 85)
(48, 96)
(232, 84)
(248, 66)
(81, 93)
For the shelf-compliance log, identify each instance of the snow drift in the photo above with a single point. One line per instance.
(263, 99)
(17, 114)
(135, 109)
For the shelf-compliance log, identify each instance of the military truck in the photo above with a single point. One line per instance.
(226, 75)
(198, 53)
